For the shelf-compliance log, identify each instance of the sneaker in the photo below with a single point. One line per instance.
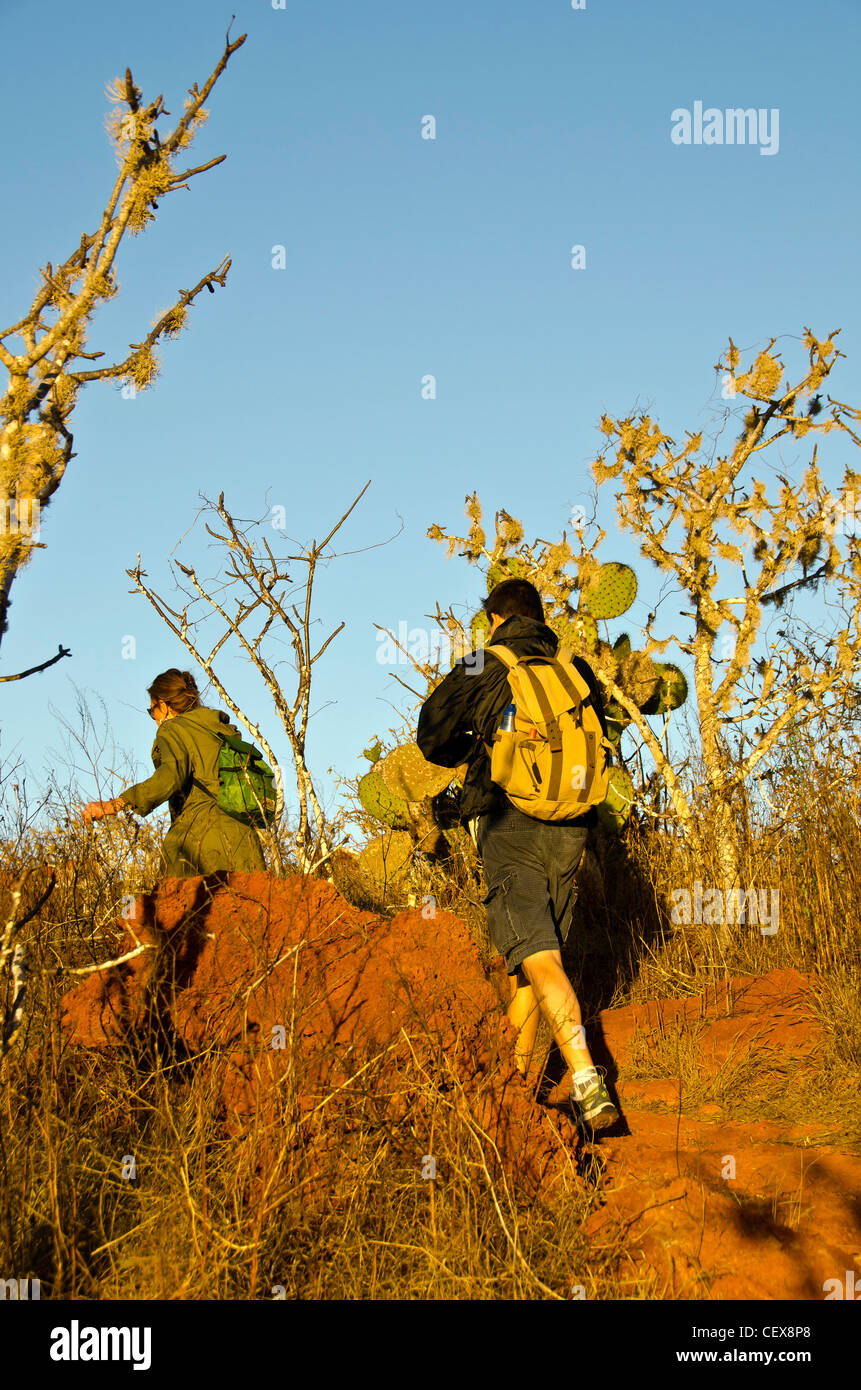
(595, 1110)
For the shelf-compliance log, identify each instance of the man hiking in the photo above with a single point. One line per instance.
(202, 838)
(529, 861)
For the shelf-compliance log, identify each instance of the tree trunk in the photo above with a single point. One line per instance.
(719, 843)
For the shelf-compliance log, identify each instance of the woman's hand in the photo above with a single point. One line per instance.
(96, 810)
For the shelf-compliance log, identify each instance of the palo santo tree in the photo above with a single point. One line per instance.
(44, 366)
(701, 516)
(256, 583)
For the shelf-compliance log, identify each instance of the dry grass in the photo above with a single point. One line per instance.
(199, 1221)
(203, 1217)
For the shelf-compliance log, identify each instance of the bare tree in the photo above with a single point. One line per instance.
(256, 584)
(46, 376)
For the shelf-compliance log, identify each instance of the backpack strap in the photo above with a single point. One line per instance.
(504, 654)
(509, 660)
(579, 685)
(195, 782)
(572, 682)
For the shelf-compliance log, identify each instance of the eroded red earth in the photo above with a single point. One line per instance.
(313, 1002)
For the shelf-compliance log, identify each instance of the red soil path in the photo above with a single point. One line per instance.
(717, 1207)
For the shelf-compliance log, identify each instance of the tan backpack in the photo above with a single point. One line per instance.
(555, 763)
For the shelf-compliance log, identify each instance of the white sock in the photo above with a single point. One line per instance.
(583, 1081)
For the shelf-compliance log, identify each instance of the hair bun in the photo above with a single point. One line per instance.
(177, 688)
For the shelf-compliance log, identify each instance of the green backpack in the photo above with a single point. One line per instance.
(246, 784)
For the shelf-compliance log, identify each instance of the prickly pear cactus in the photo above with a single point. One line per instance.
(408, 774)
(373, 753)
(383, 804)
(638, 677)
(618, 720)
(479, 630)
(510, 568)
(385, 860)
(579, 634)
(610, 592)
(572, 636)
(622, 646)
(616, 806)
(670, 692)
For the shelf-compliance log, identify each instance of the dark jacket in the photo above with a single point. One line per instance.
(467, 707)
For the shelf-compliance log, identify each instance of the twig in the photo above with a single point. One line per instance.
(109, 964)
(12, 923)
(32, 670)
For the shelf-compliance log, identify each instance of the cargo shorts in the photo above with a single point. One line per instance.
(529, 869)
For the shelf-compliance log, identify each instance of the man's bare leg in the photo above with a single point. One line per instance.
(524, 1013)
(555, 995)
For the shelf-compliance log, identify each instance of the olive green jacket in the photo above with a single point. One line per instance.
(202, 839)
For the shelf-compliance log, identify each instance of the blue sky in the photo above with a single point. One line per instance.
(404, 257)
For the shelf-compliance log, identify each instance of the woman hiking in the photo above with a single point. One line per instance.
(202, 838)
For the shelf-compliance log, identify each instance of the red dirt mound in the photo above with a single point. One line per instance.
(308, 997)
(334, 1018)
(769, 1015)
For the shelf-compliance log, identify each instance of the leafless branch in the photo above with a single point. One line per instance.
(33, 670)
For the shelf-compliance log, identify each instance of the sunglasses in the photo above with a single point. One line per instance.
(151, 711)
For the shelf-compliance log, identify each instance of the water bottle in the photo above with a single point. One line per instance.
(502, 760)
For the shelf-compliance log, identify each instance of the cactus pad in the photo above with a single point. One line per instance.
(582, 633)
(616, 806)
(383, 804)
(618, 720)
(611, 592)
(386, 859)
(512, 568)
(670, 692)
(622, 646)
(408, 774)
(480, 628)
